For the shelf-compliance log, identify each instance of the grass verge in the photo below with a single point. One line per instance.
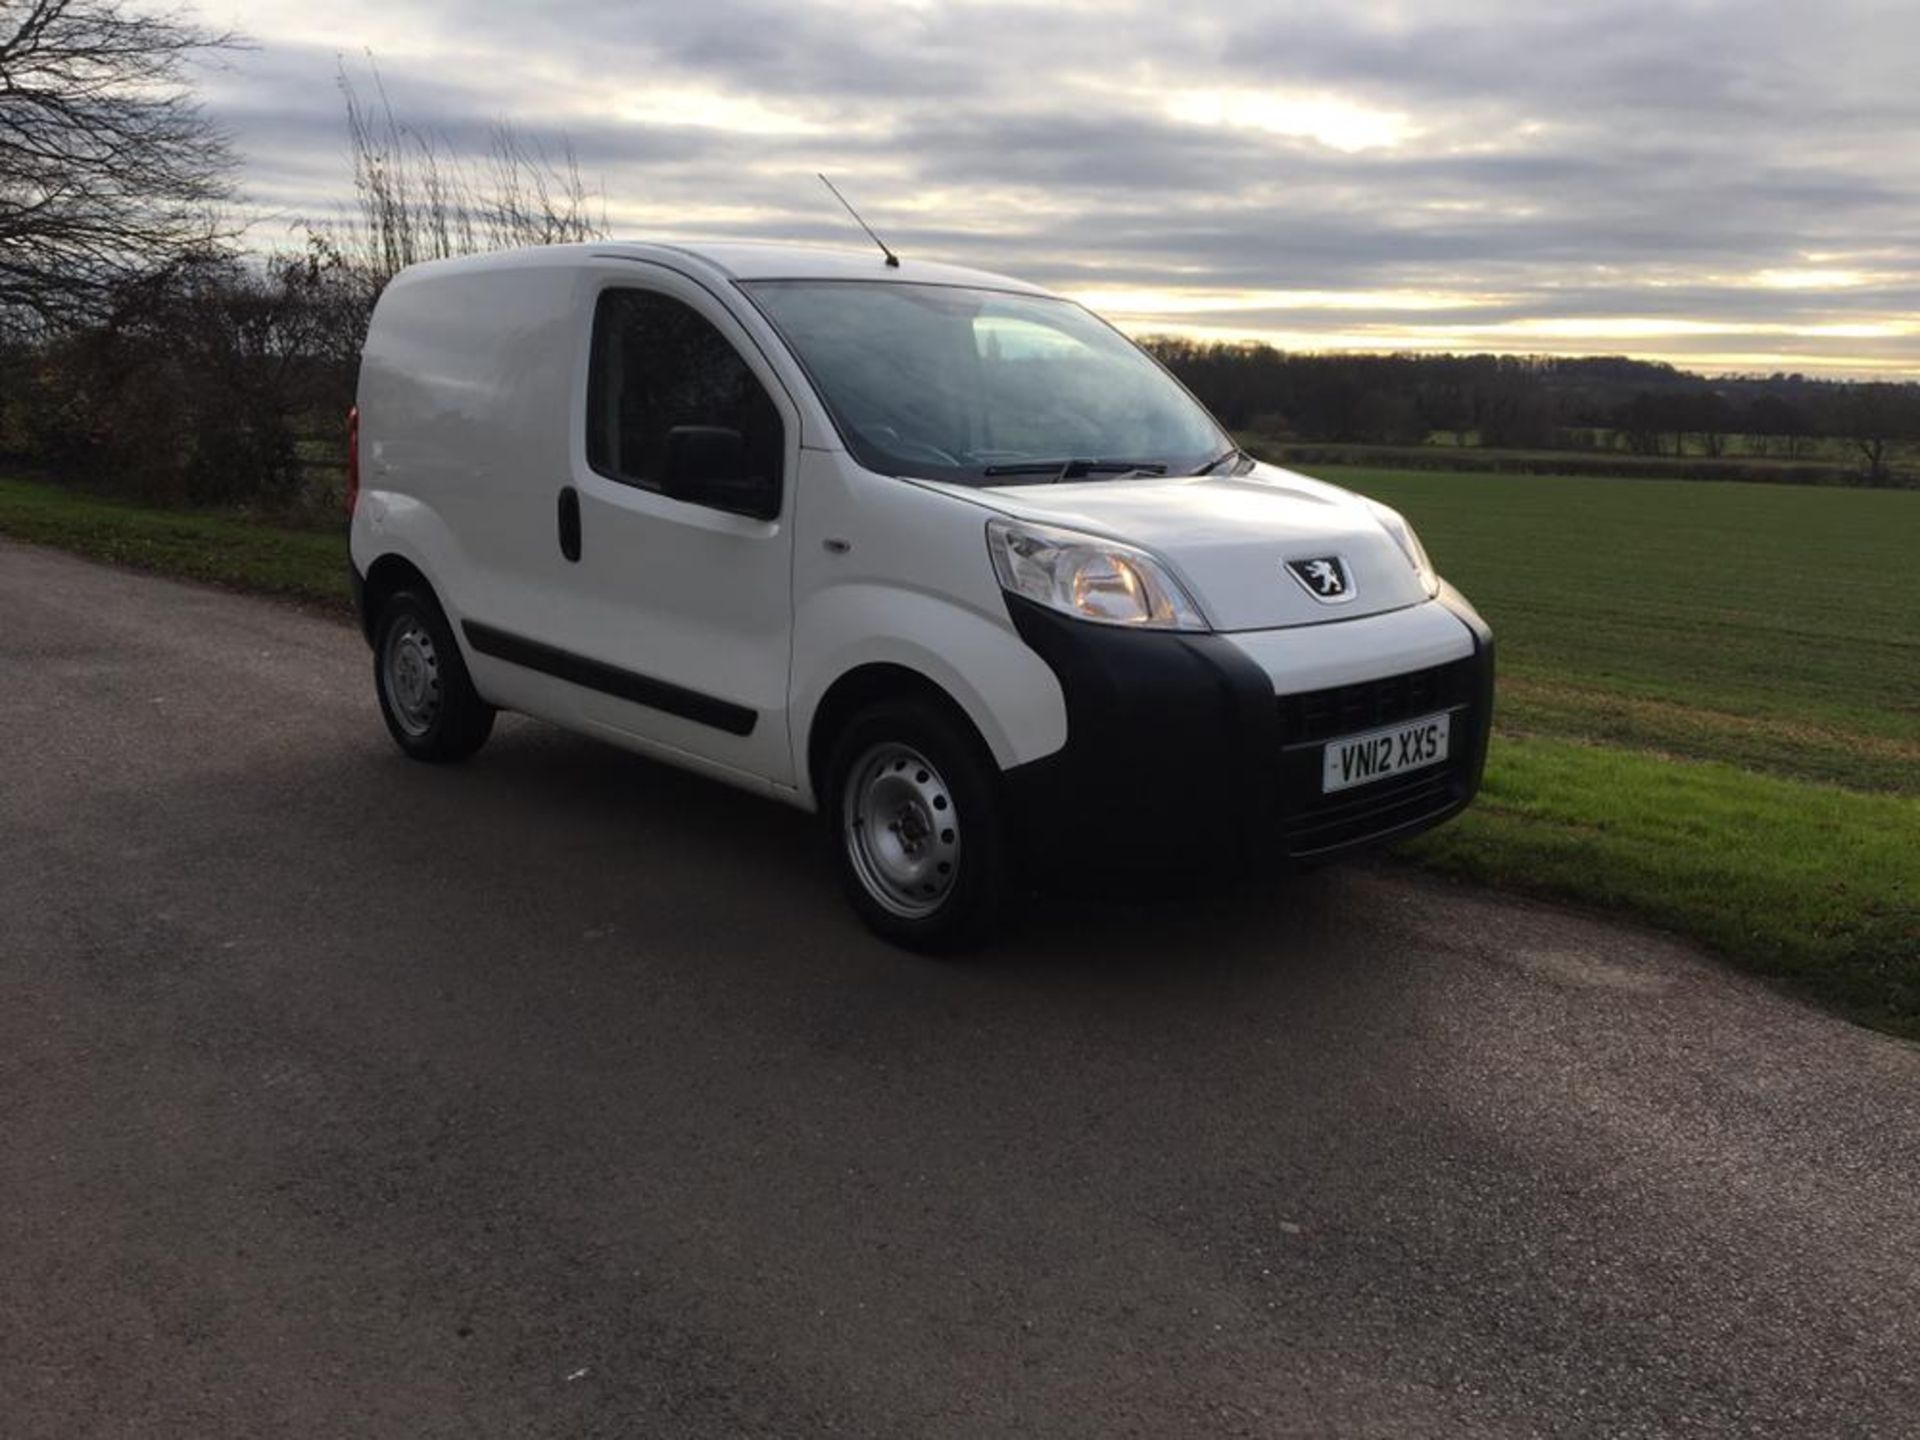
(1709, 713)
(1637, 769)
(221, 549)
(1811, 884)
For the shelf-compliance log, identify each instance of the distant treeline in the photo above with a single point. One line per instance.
(1868, 429)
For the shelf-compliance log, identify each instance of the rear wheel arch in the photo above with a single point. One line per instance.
(386, 578)
(426, 694)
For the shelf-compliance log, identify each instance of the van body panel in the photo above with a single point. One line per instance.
(1017, 710)
(775, 260)
(672, 591)
(473, 387)
(1314, 657)
(465, 389)
(887, 572)
(1228, 539)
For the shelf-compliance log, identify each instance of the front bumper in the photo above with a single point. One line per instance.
(1183, 750)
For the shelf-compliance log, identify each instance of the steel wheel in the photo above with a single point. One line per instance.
(411, 667)
(901, 830)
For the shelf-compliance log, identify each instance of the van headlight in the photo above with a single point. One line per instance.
(1089, 577)
(1395, 524)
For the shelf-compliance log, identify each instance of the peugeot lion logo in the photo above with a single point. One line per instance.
(1324, 577)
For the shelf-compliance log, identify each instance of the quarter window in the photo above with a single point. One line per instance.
(659, 364)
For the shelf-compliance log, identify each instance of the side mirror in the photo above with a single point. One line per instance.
(708, 465)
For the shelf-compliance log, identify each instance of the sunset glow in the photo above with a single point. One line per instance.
(1313, 178)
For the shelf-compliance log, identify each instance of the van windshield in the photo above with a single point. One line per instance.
(985, 387)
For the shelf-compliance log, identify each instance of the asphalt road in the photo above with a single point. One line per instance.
(559, 1095)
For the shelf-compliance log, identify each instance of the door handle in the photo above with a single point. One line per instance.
(569, 522)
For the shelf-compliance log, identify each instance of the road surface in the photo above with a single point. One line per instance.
(558, 1095)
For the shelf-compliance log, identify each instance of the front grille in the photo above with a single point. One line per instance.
(1317, 715)
(1349, 817)
(1313, 822)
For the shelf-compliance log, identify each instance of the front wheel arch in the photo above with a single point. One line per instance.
(862, 688)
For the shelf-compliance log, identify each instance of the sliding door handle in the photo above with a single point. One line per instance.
(569, 522)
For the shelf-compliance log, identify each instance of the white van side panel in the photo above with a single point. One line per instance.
(913, 587)
(472, 396)
(465, 389)
(681, 592)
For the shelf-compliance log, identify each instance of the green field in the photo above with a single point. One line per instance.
(1709, 709)
(1772, 626)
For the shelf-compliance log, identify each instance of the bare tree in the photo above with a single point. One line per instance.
(108, 168)
(534, 197)
(1641, 422)
(418, 198)
(1776, 417)
(1875, 417)
(1713, 419)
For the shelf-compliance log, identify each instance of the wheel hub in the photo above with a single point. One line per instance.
(412, 666)
(902, 830)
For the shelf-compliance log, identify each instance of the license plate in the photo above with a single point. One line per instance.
(1362, 759)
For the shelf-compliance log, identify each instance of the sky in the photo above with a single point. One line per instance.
(1730, 187)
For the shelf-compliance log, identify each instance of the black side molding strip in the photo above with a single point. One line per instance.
(611, 680)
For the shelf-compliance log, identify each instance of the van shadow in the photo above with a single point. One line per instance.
(762, 861)
(1292, 982)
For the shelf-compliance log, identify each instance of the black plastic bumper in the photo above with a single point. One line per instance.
(357, 583)
(1179, 751)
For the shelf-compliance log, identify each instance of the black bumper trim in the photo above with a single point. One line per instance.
(1179, 751)
(357, 585)
(575, 669)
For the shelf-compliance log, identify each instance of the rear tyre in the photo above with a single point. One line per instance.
(426, 696)
(913, 816)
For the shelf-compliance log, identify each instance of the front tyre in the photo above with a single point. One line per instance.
(913, 816)
(426, 696)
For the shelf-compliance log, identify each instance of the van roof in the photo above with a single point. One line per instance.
(748, 260)
(773, 260)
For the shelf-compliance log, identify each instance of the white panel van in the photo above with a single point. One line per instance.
(935, 553)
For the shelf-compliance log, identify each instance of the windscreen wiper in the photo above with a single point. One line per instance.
(1219, 460)
(1076, 468)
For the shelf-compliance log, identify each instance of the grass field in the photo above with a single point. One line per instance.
(1709, 710)
(1773, 626)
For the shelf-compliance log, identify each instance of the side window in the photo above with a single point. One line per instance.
(657, 365)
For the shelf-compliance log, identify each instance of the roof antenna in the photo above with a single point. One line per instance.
(893, 260)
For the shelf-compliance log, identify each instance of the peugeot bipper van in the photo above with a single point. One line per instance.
(932, 552)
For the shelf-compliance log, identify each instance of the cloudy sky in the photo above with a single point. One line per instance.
(1728, 186)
